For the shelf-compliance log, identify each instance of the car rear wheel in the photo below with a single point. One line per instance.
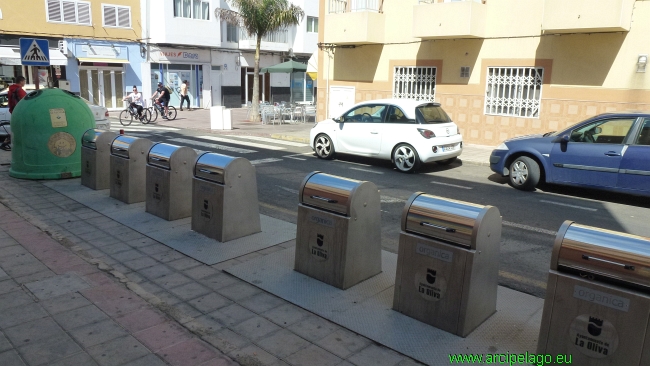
(446, 161)
(524, 173)
(324, 147)
(405, 158)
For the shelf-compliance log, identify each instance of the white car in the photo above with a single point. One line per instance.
(100, 113)
(406, 131)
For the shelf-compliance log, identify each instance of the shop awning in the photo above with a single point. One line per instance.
(312, 66)
(11, 56)
(286, 67)
(106, 60)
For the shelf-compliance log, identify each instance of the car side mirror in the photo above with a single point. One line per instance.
(339, 119)
(565, 138)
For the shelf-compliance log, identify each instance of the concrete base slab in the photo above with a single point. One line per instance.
(367, 309)
(57, 285)
(176, 234)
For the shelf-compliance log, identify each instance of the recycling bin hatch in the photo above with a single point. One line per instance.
(597, 305)
(169, 179)
(128, 163)
(95, 158)
(447, 263)
(339, 234)
(224, 197)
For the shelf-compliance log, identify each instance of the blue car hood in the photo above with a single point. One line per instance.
(526, 137)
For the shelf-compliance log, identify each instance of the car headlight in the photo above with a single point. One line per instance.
(503, 146)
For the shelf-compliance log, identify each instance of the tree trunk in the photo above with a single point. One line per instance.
(255, 108)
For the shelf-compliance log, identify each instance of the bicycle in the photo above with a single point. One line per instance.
(159, 109)
(129, 113)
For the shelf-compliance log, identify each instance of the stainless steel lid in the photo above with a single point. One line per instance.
(329, 192)
(441, 218)
(89, 138)
(211, 166)
(604, 254)
(160, 155)
(121, 145)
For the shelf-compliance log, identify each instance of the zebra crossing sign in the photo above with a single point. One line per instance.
(34, 52)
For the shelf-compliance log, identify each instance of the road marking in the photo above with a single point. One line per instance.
(245, 143)
(146, 127)
(213, 146)
(262, 161)
(276, 208)
(451, 185)
(129, 133)
(366, 170)
(293, 157)
(129, 129)
(294, 191)
(268, 139)
(389, 199)
(350, 162)
(522, 279)
(529, 228)
(568, 205)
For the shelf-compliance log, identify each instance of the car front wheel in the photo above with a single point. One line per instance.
(405, 158)
(524, 173)
(324, 147)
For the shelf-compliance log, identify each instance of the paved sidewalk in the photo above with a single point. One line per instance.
(77, 288)
(199, 119)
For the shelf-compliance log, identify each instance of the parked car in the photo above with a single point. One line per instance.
(610, 151)
(100, 113)
(408, 132)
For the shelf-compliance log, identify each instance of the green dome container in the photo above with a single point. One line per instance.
(47, 126)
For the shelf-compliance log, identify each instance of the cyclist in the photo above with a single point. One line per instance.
(136, 101)
(163, 98)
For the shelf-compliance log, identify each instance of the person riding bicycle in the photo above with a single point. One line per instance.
(163, 98)
(136, 101)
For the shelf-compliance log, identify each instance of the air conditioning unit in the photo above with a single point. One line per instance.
(63, 47)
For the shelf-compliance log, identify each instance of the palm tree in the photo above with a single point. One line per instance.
(258, 18)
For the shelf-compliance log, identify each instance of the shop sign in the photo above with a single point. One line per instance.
(100, 51)
(175, 55)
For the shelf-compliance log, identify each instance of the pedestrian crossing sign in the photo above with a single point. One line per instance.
(34, 52)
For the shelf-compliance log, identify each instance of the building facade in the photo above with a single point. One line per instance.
(94, 45)
(500, 68)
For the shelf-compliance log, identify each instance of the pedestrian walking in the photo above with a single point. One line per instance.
(184, 86)
(15, 95)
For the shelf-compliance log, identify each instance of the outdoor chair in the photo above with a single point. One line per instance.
(310, 110)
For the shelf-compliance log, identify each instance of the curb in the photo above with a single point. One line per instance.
(290, 138)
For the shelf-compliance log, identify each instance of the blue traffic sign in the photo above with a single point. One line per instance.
(34, 52)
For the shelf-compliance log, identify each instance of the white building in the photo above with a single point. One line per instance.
(185, 41)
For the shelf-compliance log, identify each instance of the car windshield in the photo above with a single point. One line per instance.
(431, 113)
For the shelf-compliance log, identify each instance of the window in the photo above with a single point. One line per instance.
(396, 115)
(464, 71)
(644, 134)
(611, 131)
(430, 114)
(373, 113)
(277, 36)
(196, 9)
(514, 91)
(232, 33)
(68, 11)
(117, 16)
(414, 82)
(312, 24)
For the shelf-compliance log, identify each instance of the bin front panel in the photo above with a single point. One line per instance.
(121, 145)
(329, 192)
(159, 155)
(212, 167)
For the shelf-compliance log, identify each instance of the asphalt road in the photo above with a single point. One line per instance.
(530, 219)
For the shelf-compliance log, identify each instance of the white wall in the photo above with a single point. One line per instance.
(165, 28)
(305, 43)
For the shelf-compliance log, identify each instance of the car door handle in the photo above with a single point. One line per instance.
(612, 153)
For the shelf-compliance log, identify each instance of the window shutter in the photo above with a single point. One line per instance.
(54, 10)
(83, 10)
(69, 11)
(109, 16)
(123, 17)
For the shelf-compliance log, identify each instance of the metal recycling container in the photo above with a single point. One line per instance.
(128, 163)
(95, 158)
(169, 178)
(338, 237)
(224, 197)
(46, 128)
(597, 305)
(448, 263)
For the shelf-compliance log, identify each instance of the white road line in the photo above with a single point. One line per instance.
(350, 162)
(262, 161)
(294, 191)
(366, 170)
(293, 157)
(145, 127)
(389, 199)
(451, 185)
(213, 146)
(529, 228)
(268, 139)
(129, 129)
(245, 143)
(568, 205)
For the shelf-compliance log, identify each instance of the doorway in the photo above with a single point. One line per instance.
(248, 78)
(103, 86)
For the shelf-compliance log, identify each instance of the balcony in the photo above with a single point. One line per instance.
(587, 16)
(354, 22)
(456, 19)
(275, 41)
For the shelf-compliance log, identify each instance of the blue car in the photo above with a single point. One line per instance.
(610, 151)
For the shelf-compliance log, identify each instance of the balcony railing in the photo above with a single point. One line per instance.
(278, 36)
(349, 6)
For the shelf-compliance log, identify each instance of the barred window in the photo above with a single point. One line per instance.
(414, 82)
(117, 16)
(68, 11)
(514, 91)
